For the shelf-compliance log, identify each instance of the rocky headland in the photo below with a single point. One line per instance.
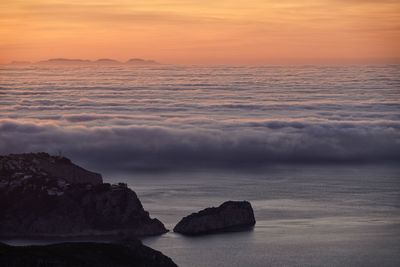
(229, 216)
(128, 253)
(49, 196)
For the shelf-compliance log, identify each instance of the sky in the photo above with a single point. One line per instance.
(202, 31)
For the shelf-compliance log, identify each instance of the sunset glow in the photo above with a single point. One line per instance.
(182, 31)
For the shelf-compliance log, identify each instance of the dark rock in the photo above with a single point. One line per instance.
(42, 164)
(132, 253)
(230, 216)
(45, 196)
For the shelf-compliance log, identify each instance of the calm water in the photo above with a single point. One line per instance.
(314, 148)
(306, 216)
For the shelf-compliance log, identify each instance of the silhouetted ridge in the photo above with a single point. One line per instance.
(107, 61)
(140, 61)
(64, 61)
(132, 253)
(68, 61)
(43, 195)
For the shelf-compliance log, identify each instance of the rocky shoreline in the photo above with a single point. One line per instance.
(80, 254)
(49, 196)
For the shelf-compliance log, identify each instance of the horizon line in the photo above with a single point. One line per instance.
(141, 61)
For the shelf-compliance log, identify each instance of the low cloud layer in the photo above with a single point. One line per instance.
(174, 117)
(140, 148)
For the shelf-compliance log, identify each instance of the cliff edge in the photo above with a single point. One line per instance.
(49, 196)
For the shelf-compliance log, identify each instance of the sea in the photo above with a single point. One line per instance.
(314, 148)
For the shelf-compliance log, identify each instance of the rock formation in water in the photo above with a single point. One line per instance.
(43, 196)
(230, 216)
(132, 253)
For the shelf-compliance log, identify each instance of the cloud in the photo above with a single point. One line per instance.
(173, 117)
(107, 13)
(122, 148)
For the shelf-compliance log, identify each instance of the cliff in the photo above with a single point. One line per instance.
(131, 253)
(17, 167)
(43, 195)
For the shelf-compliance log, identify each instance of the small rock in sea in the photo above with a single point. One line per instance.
(231, 216)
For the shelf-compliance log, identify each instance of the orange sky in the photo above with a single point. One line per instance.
(202, 31)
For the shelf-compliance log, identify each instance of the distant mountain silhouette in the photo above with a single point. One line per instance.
(107, 61)
(64, 61)
(15, 62)
(140, 61)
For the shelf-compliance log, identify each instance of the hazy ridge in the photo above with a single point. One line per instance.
(78, 61)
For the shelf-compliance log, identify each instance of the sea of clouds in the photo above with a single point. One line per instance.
(176, 117)
(143, 147)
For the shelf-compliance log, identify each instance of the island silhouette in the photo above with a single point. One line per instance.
(78, 61)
